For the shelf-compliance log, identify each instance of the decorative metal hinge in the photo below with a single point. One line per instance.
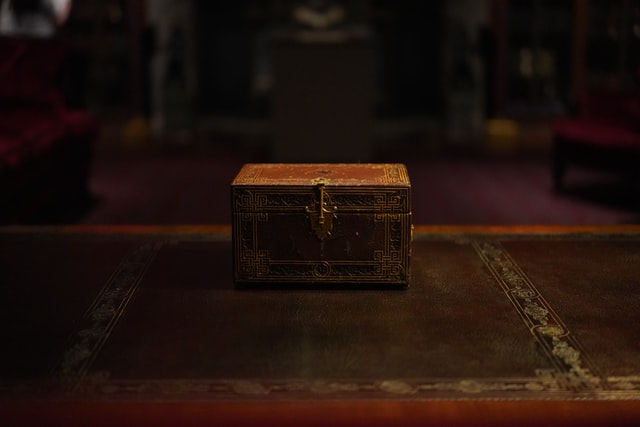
(322, 212)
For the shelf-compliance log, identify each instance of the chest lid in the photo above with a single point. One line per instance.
(344, 187)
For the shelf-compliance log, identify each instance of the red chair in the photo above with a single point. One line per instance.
(604, 135)
(45, 148)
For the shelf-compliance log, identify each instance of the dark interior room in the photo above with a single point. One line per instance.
(481, 100)
(134, 286)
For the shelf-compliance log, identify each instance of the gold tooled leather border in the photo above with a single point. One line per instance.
(102, 316)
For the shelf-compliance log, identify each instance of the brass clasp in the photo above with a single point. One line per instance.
(321, 213)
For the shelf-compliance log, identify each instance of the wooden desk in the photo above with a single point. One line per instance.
(142, 325)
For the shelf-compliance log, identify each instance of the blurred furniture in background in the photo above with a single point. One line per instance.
(323, 97)
(605, 134)
(45, 148)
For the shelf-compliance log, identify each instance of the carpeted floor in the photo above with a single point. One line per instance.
(192, 187)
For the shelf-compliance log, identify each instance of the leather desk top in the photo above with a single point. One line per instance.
(499, 325)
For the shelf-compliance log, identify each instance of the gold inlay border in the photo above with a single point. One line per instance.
(102, 315)
(294, 199)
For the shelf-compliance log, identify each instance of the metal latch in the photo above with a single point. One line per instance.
(322, 212)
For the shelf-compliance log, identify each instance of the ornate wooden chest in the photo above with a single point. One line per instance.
(322, 223)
